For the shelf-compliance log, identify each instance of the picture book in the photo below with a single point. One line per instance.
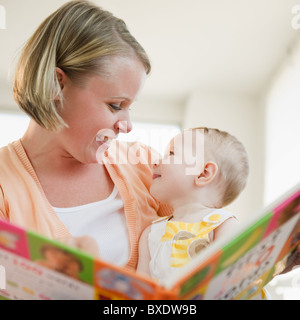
(236, 267)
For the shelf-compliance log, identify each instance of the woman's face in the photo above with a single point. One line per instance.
(100, 103)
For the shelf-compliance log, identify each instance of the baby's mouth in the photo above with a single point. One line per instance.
(155, 176)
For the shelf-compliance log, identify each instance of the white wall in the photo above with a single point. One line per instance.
(282, 105)
(157, 110)
(242, 116)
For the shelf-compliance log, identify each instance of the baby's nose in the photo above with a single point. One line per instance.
(156, 163)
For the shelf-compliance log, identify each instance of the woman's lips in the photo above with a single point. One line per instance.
(103, 143)
(105, 136)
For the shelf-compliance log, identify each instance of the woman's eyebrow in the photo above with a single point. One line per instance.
(120, 98)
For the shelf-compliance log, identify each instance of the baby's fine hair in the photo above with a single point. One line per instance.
(232, 159)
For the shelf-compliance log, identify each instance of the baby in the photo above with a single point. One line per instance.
(202, 171)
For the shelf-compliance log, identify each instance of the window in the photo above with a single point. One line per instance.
(12, 127)
(283, 153)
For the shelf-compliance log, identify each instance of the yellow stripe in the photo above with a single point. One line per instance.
(179, 252)
(172, 226)
(208, 229)
(196, 227)
(179, 255)
(182, 226)
(189, 227)
(177, 265)
(179, 246)
(203, 236)
(167, 236)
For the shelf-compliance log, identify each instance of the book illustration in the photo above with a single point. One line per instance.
(115, 283)
(60, 258)
(237, 267)
(13, 239)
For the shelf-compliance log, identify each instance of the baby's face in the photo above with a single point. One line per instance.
(173, 176)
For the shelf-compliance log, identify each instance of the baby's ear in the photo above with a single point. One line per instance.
(207, 175)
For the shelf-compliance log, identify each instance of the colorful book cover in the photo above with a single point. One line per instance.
(42, 269)
(37, 268)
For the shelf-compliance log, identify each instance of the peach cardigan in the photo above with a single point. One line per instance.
(23, 202)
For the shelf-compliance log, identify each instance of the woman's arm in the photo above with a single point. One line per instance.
(3, 214)
(144, 253)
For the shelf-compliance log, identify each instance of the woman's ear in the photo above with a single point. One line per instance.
(207, 175)
(61, 77)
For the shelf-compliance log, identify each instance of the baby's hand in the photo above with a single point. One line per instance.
(84, 243)
(294, 263)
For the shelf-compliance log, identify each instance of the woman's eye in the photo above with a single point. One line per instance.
(115, 107)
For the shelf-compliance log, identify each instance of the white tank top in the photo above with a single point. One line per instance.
(103, 220)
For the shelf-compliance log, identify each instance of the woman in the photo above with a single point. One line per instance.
(76, 78)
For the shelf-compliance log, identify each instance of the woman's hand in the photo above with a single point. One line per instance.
(84, 243)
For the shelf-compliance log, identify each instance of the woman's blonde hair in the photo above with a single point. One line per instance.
(78, 38)
(232, 159)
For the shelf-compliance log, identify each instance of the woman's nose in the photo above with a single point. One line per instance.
(124, 126)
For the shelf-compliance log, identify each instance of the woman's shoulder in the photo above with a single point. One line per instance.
(4, 150)
(12, 158)
(6, 155)
(11, 148)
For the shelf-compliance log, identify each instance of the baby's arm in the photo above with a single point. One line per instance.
(144, 253)
(226, 227)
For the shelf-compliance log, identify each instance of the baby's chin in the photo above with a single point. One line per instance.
(157, 194)
(154, 193)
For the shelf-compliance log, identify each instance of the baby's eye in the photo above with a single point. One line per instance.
(171, 153)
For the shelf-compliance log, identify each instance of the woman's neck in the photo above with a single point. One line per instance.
(43, 147)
